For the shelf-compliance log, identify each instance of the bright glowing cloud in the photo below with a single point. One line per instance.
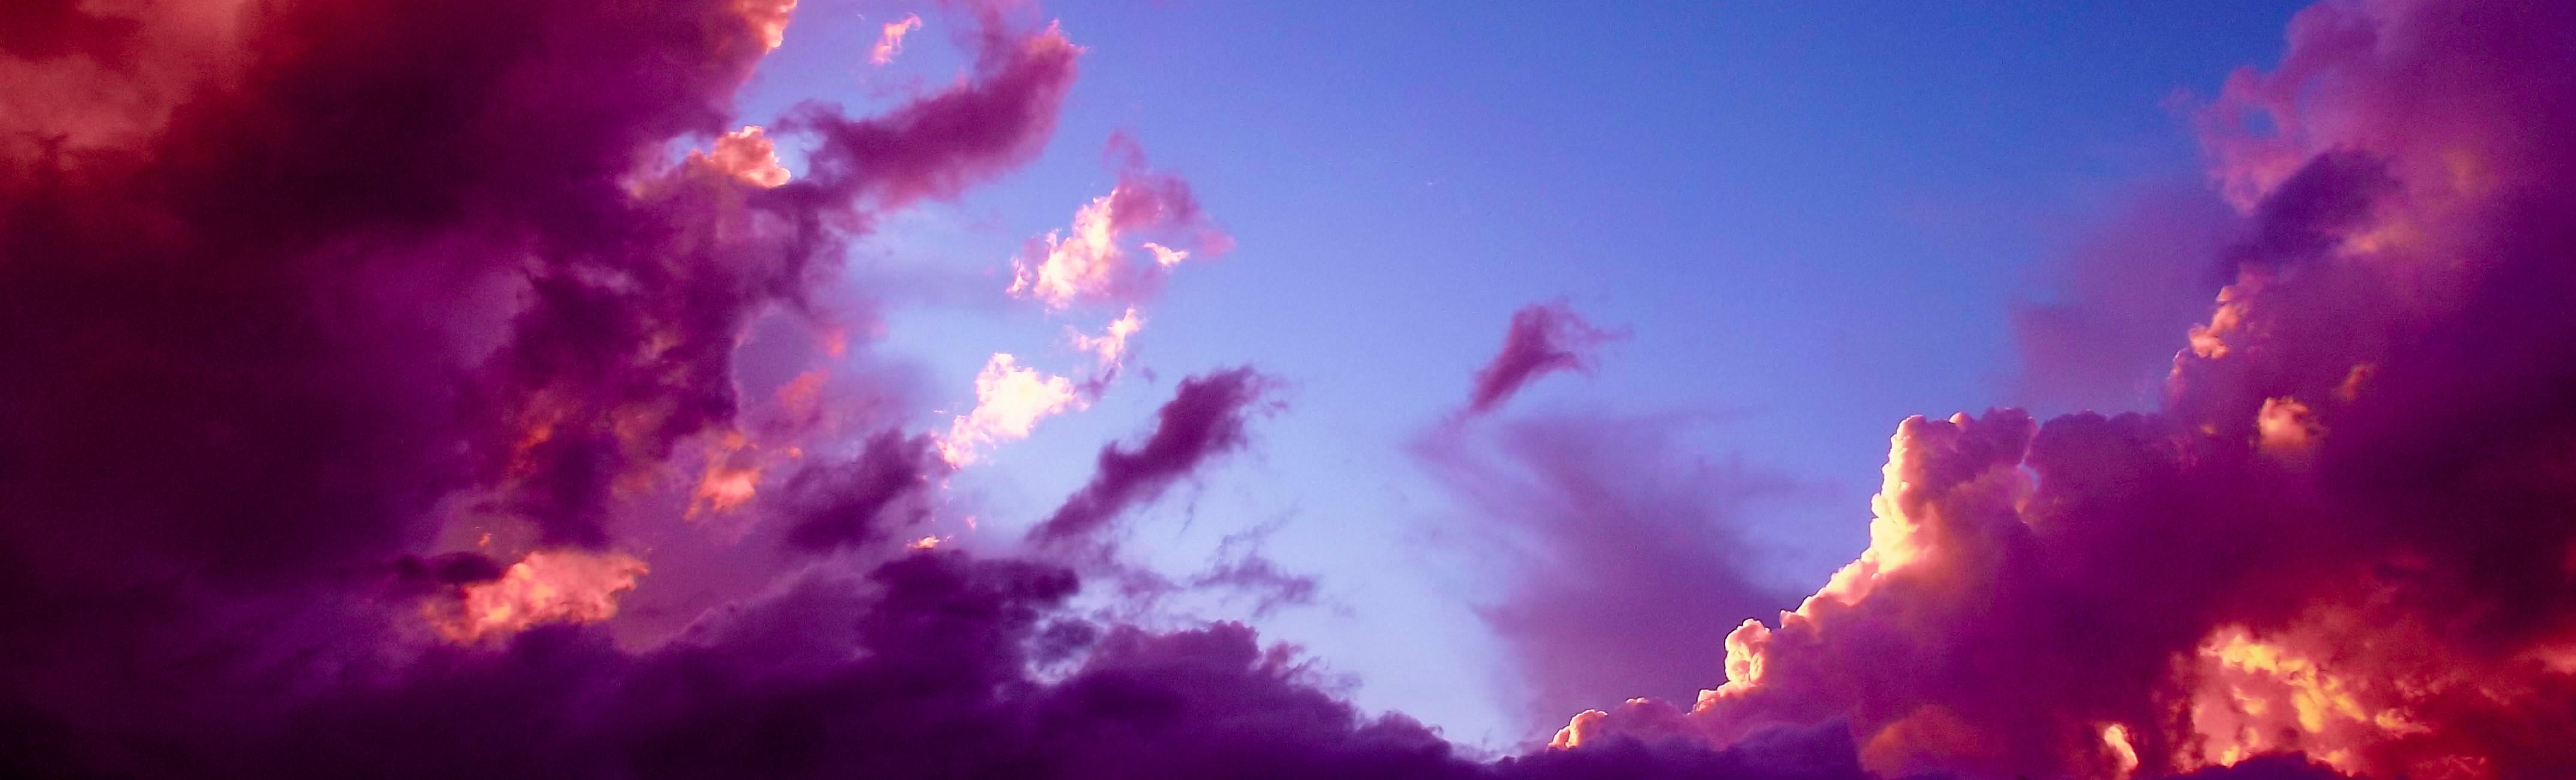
(769, 18)
(548, 586)
(890, 40)
(748, 155)
(1010, 399)
(1111, 345)
(1090, 262)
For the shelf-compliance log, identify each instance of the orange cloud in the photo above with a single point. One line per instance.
(890, 41)
(548, 586)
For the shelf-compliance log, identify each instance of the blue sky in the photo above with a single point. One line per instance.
(1812, 218)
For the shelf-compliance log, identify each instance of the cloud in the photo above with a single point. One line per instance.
(2101, 336)
(1093, 262)
(1623, 552)
(1205, 418)
(1545, 338)
(863, 500)
(890, 39)
(1009, 401)
(925, 675)
(939, 144)
(320, 311)
(2339, 535)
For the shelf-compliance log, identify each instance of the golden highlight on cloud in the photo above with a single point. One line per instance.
(1092, 262)
(1111, 345)
(770, 18)
(1081, 263)
(547, 586)
(746, 154)
(2344, 537)
(890, 41)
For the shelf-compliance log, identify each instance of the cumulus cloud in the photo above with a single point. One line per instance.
(2340, 536)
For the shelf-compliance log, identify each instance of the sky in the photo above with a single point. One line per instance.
(1427, 391)
(1810, 220)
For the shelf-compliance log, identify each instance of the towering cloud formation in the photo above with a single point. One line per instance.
(2348, 532)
